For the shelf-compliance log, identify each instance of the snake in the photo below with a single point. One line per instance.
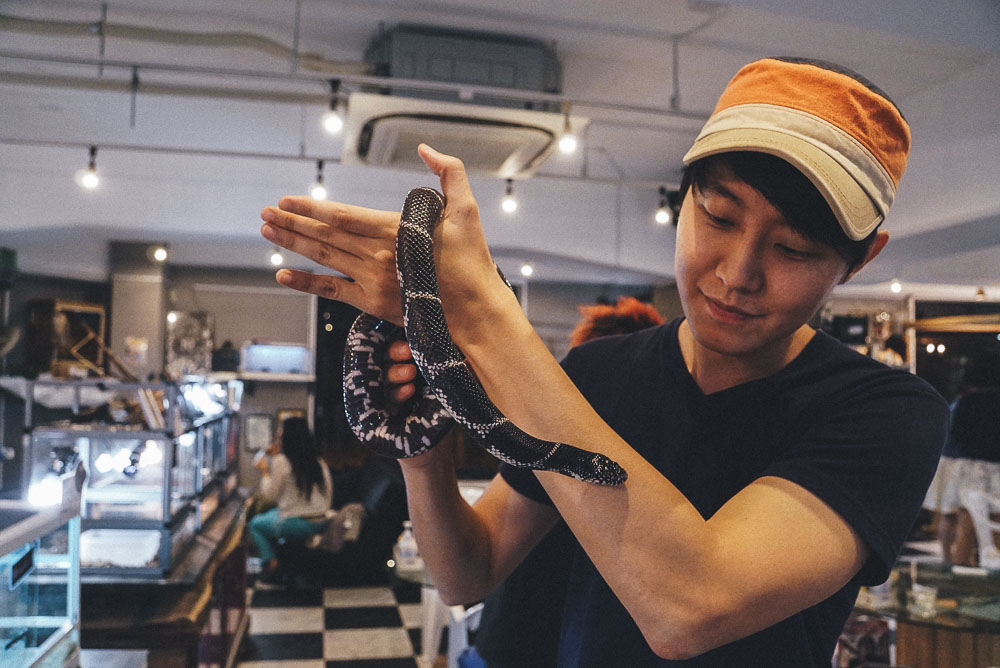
(450, 392)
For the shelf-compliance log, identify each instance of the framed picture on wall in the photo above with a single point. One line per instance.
(259, 430)
(285, 413)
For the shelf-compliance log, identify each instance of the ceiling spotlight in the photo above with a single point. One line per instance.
(172, 316)
(667, 212)
(509, 202)
(567, 144)
(333, 119)
(568, 141)
(160, 254)
(276, 258)
(317, 190)
(527, 269)
(896, 286)
(87, 178)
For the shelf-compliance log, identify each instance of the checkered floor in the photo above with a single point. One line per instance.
(364, 627)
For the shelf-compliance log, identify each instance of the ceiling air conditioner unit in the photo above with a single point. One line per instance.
(385, 130)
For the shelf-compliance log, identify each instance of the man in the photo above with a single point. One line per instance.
(771, 471)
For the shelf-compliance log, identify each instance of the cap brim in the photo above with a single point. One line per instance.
(852, 206)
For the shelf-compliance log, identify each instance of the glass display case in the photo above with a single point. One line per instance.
(159, 467)
(40, 580)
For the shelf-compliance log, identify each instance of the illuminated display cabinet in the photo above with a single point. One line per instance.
(161, 458)
(40, 580)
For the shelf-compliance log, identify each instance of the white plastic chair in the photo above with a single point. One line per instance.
(980, 505)
(461, 622)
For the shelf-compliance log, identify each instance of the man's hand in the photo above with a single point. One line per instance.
(357, 242)
(360, 244)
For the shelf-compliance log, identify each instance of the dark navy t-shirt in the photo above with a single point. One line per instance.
(862, 437)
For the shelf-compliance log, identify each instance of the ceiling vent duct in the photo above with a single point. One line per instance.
(498, 136)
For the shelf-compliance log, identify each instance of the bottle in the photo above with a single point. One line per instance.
(407, 553)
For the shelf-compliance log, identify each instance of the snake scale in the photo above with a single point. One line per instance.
(451, 391)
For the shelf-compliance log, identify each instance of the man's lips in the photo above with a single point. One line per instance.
(727, 313)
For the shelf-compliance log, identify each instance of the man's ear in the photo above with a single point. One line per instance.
(881, 239)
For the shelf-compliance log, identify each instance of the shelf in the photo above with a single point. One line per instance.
(262, 376)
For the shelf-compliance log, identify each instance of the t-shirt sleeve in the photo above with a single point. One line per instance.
(871, 458)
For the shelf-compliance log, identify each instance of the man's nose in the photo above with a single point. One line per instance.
(741, 267)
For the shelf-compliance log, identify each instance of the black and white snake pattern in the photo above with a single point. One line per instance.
(451, 390)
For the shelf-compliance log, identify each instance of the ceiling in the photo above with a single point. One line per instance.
(204, 111)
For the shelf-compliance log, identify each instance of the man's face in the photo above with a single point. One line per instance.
(747, 280)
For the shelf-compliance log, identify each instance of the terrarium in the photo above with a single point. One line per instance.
(152, 481)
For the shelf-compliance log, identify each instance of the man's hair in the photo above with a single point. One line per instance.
(628, 315)
(787, 189)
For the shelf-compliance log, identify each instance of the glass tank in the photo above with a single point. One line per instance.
(155, 471)
(40, 581)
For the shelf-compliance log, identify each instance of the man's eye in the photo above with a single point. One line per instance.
(716, 220)
(795, 252)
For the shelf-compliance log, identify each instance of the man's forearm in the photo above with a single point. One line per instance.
(453, 541)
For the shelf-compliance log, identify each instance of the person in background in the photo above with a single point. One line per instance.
(298, 481)
(772, 471)
(522, 617)
(892, 351)
(971, 458)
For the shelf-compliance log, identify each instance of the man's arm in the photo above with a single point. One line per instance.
(469, 549)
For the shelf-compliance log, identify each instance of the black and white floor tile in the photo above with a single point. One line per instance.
(362, 627)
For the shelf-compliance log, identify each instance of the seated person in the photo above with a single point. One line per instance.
(299, 482)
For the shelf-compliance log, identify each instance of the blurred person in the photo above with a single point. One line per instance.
(295, 478)
(970, 459)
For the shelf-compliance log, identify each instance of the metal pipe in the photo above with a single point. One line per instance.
(364, 80)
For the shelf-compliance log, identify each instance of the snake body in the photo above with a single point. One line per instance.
(451, 391)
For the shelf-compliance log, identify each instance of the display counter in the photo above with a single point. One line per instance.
(161, 458)
(956, 626)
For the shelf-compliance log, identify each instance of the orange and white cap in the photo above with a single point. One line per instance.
(845, 135)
